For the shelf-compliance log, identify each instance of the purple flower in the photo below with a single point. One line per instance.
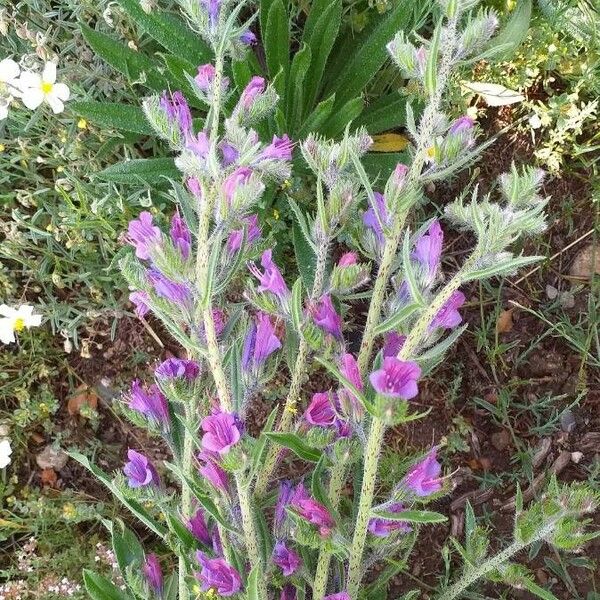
(393, 343)
(288, 592)
(215, 574)
(287, 560)
(219, 319)
(177, 368)
(178, 293)
(338, 596)
(271, 279)
(194, 186)
(320, 411)
(326, 318)
(199, 529)
(152, 404)
(260, 342)
(286, 492)
(255, 88)
(139, 470)
(140, 301)
(397, 378)
(233, 182)
(153, 573)
(348, 259)
(248, 38)
(376, 217)
(448, 316)
(428, 251)
(178, 112)
(212, 8)
(143, 235)
(221, 432)
(279, 149)
(211, 471)
(205, 77)
(199, 145)
(399, 175)
(230, 153)
(462, 124)
(181, 236)
(424, 478)
(348, 401)
(253, 232)
(380, 527)
(312, 511)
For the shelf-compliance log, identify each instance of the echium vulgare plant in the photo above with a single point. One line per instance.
(241, 520)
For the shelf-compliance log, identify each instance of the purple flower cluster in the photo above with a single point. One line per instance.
(140, 471)
(217, 575)
(261, 341)
(177, 368)
(396, 378)
(152, 404)
(286, 559)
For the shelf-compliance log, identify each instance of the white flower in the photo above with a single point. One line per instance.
(535, 122)
(5, 452)
(9, 84)
(16, 319)
(39, 88)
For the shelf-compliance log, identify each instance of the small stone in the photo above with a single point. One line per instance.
(551, 292)
(51, 458)
(576, 457)
(586, 263)
(567, 421)
(500, 440)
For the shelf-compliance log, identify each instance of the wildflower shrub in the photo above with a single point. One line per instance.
(242, 522)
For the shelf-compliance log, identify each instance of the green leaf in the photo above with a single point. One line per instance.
(100, 588)
(359, 59)
(412, 516)
(342, 116)
(136, 66)
(315, 120)
(150, 171)
(295, 91)
(253, 584)
(503, 267)
(320, 32)
(179, 68)
(536, 590)
(388, 112)
(127, 548)
(170, 31)
(296, 305)
(430, 80)
(305, 256)
(409, 273)
(379, 165)
(511, 36)
(296, 445)
(394, 321)
(277, 45)
(181, 532)
(133, 505)
(113, 115)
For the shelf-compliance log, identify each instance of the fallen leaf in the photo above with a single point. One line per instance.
(84, 396)
(494, 94)
(48, 477)
(504, 323)
(389, 142)
(586, 263)
(51, 458)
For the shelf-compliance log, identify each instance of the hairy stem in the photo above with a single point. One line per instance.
(338, 476)
(289, 408)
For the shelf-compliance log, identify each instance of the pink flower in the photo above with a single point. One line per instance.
(448, 316)
(327, 318)
(424, 478)
(320, 411)
(397, 378)
(221, 432)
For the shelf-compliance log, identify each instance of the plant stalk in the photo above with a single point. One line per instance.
(289, 408)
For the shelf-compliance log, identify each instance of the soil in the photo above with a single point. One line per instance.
(551, 368)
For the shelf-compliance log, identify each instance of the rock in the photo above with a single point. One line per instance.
(567, 421)
(500, 439)
(586, 263)
(51, 458)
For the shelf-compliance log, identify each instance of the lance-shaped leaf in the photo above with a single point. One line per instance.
(296, 445)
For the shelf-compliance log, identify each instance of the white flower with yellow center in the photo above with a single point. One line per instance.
(16, 319)
(9, 84)
(5, 452)
(38, 88)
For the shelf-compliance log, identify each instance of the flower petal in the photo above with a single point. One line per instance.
(7, 333)
(9, 70)
(7, 311)
(30, 80)
(32, 98)
(55, 103)
(49, 74)
(61, 90)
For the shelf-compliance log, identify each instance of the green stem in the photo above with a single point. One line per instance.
(289, 408)
(338, 477)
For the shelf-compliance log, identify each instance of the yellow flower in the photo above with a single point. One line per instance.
(82, 124)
